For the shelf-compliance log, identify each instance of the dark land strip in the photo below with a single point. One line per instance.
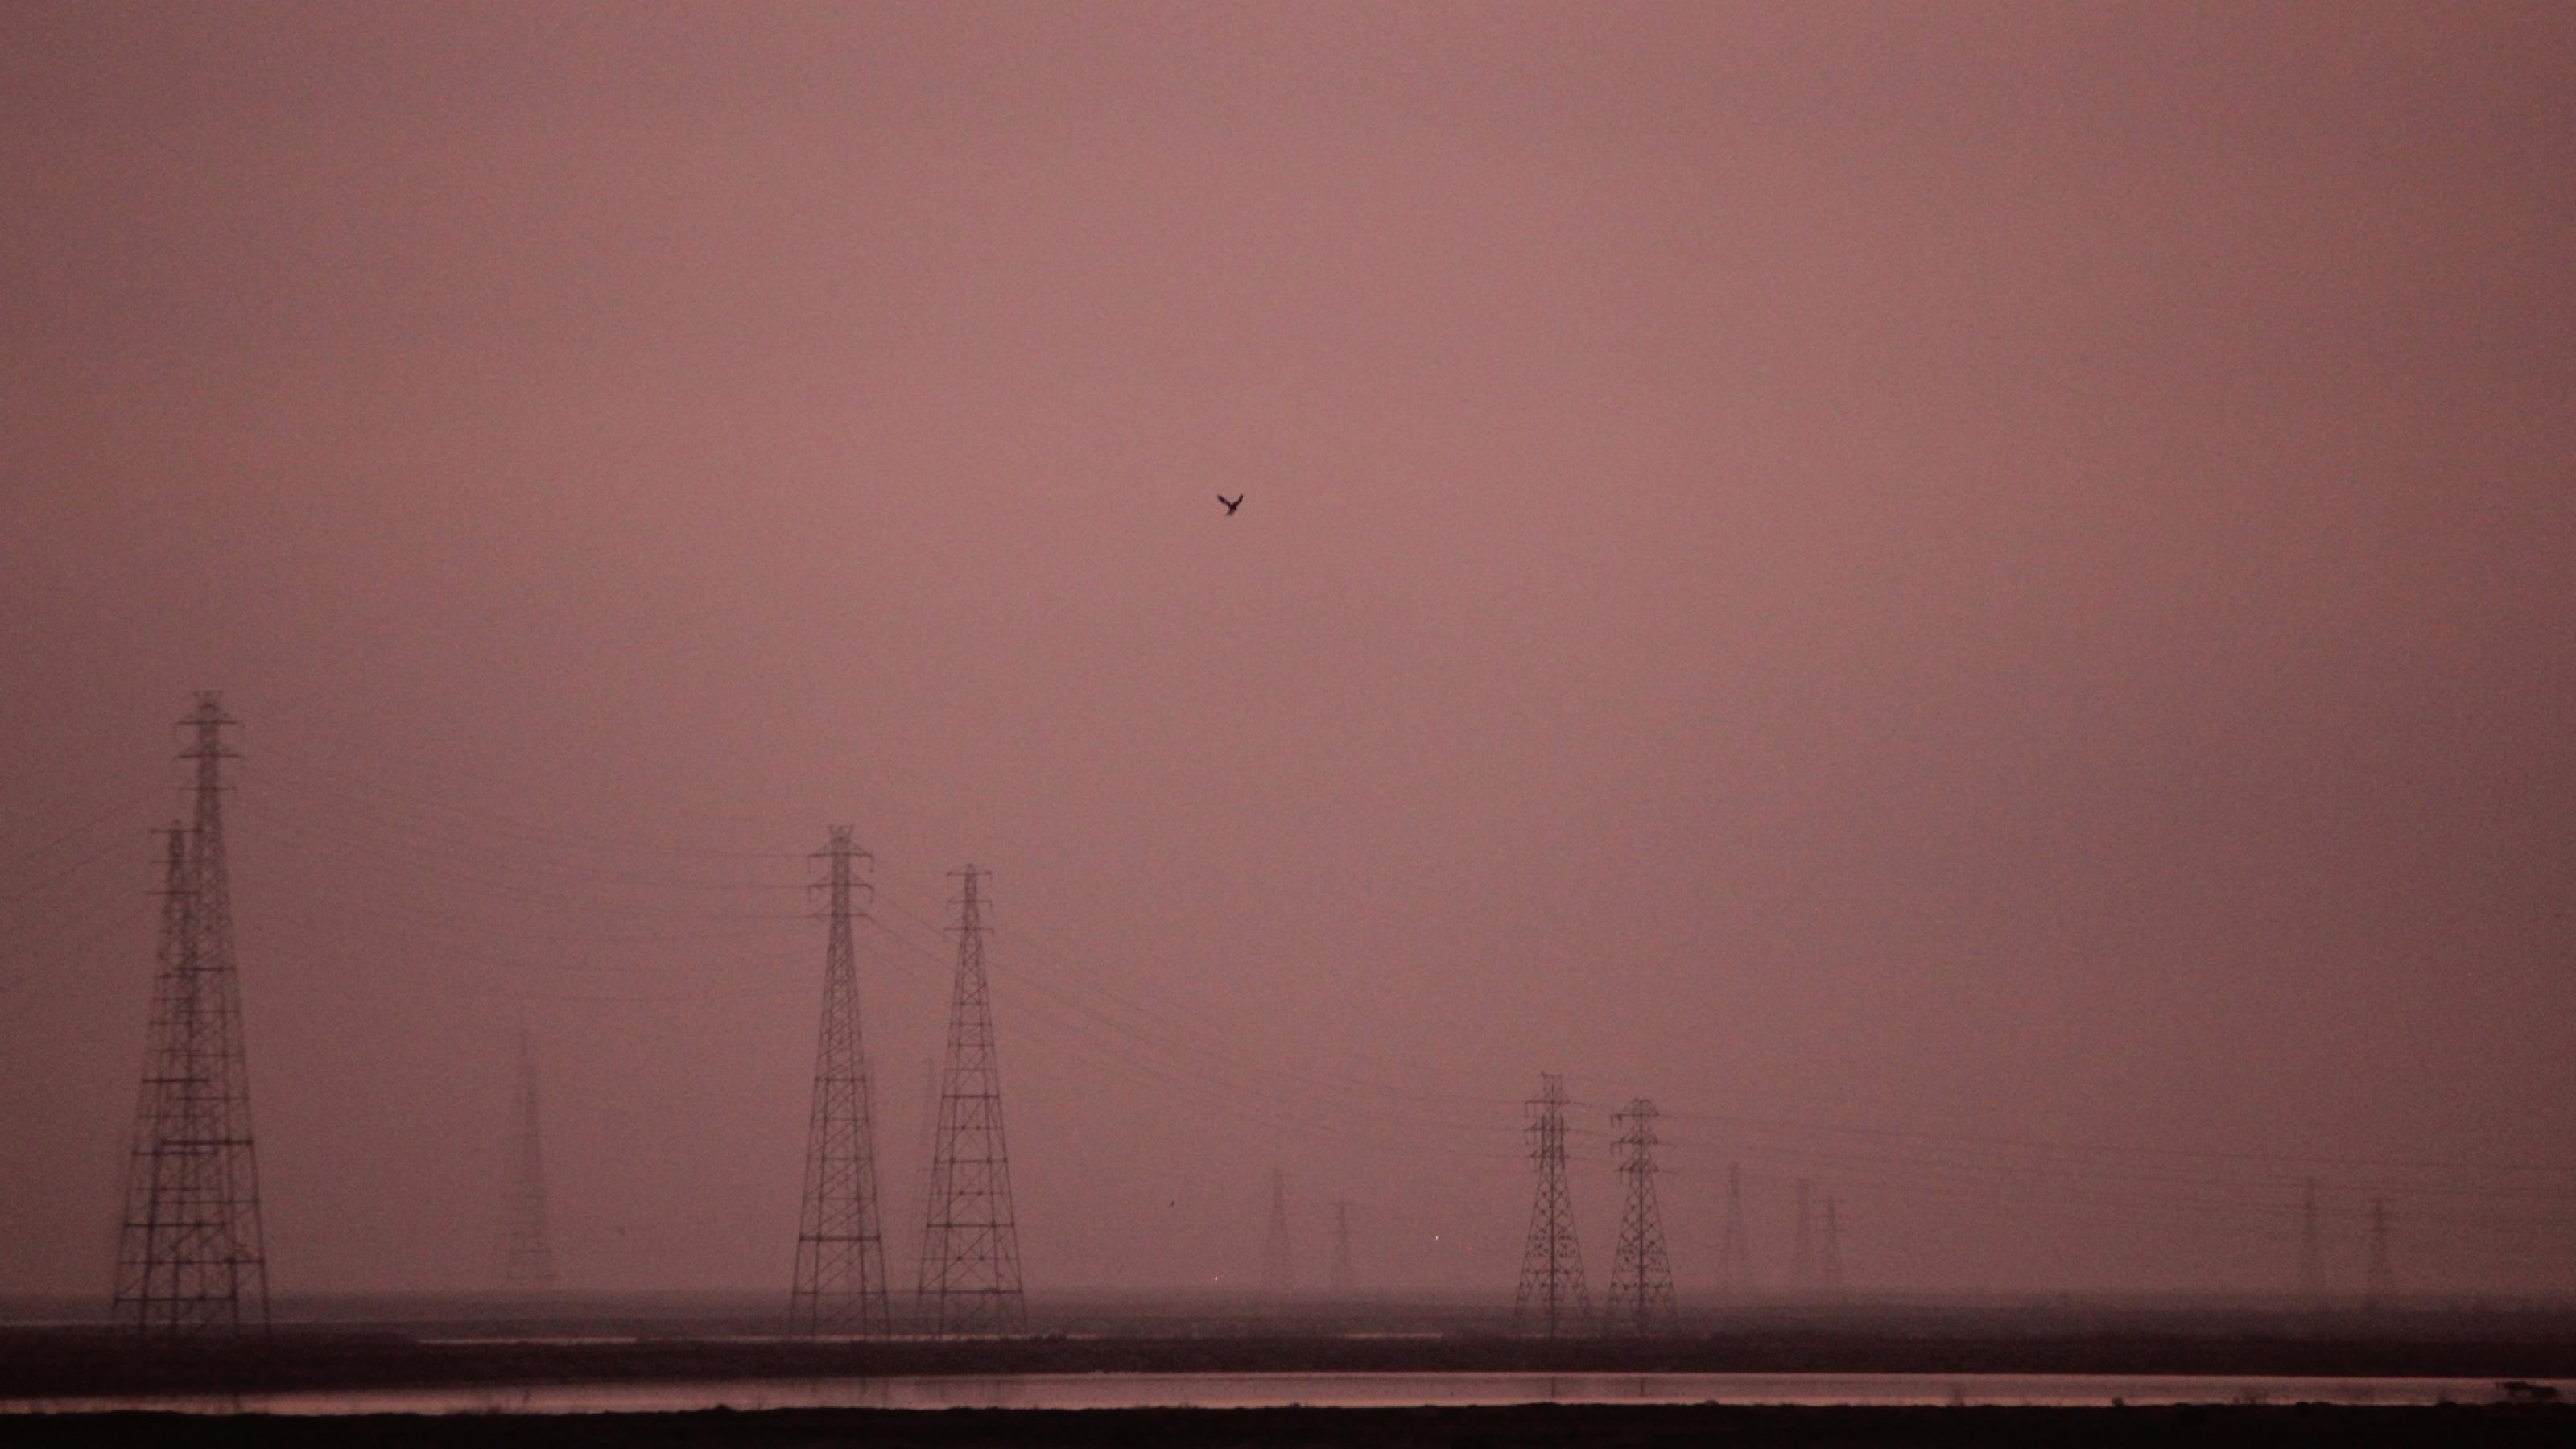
(1596, 1426)
(36, 1363)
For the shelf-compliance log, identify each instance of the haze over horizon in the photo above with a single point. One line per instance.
(1979, 600)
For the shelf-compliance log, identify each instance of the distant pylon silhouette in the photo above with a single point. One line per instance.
(925, 1146)
(190, 1257)
(1802, 1248)
(2312, 1256)
(840, 1287)
(1734, 1261)
(1640, 1296)
(970, 1246)
(527, 1248)
(1829, 1267)
(1278, 1263)
(1338, 1278)
(1551, 1297)
(2380, 1283)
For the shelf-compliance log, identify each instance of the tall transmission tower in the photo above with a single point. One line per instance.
(1640, 1296)
(2312, 1255)
(1551, 1289)
(924, 1144)
(1278, 1263)
(1802, 1248)
(1338, 1278)
(1734, 1262)
(970, 1246)
(527, 1248)
(190, 1257)
(1829, 1268)
(2380, 1282)
(840, 1284)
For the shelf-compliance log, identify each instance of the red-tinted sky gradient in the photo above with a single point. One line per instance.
(1987, 574)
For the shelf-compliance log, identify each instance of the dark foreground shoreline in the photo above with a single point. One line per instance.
(94, 1363)
(1596, 1426)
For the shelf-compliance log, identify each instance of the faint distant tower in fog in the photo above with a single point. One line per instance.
(1338, 1278)
(925, 1146)
(527, 1247)
(970, 1243)
(1829, 1266)
(2312, 1253)
(2380, 1282)
(190, 1256)
(1802, 1248)
(840, 1256)
(1551, 1289)
(1640, 1296)
(1734, 1261)
(1278, 1268)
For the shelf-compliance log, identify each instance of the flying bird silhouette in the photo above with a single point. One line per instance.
(1231, 504)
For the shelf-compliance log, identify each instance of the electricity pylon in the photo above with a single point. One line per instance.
(527, 1248)
(2312, 1256)
(1338, 1278)
(190, 1257)
(1802, 1248)
(1734, 1262)
(840, 1287)
(925, 1145)
(1278, 1263)
(1829, 1272)
(2380, 1283)
(970, 1245)
(1551, 1289)
(1640, 1296)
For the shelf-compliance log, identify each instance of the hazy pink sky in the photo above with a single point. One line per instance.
(1971, 572)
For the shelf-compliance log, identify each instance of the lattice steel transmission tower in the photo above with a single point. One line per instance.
(1734, 1259)
(1829, 1271)
(1640, 1296)
(1338, 1276)
(840, 1285)
(190, 1257)
(527, 1247)
(970, 1246)
(1802, 1248)
(2312, 1253)
(2380, 1281)
(1278, 1258)
(1551, 1288)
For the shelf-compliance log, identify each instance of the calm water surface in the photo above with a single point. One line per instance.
(1323, 1390)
